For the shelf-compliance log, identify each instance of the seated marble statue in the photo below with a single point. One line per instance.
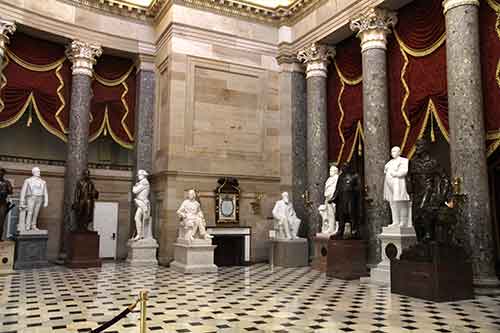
(192, 225)
(287, 221)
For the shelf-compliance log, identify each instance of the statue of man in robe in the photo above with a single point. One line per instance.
(33, 196)
(84, 201)
(287, 220)
(330, 224)
(395, 189)
(192, 219)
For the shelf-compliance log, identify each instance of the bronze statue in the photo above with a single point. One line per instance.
(85, 196)
(348, 200)
(5, 205)
(429, 188)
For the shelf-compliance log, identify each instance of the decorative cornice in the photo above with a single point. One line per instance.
(316, 58)
(122, 8)
(373, 26)
(6, 28)
(83, 56)
(450, 4)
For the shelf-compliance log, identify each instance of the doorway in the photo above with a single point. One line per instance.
(106, 225)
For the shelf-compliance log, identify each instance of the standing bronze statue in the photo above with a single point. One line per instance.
(348, 201)
(5, 205)
(85, 196)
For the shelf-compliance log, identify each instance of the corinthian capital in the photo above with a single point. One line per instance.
(6, 28)
(373, 27)
(83, 56)
(316, 58)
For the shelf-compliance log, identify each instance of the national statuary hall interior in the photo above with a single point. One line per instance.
(249, 165)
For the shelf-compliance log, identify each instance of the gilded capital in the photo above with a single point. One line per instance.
(83, 56)
(450, 4)
(316, 58)
(373, 27)
(6, 28)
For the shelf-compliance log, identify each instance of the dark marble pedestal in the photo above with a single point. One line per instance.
(433, 272)
(83, 250)
(319, 261)
(346, 259)
(31, 251)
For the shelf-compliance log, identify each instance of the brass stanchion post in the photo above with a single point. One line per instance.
(143, 297)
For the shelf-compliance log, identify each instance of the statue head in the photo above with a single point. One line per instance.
(36, 171)
(192, 194)
(395, 152)
(334, 170)
(86, 174)
(2, 173)
(284, 197)
(422, 146)
(141, 174)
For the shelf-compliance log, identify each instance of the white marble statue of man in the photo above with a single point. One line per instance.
(192, 220)
(33, 196)
(288, 222)
(395, 189)
(327, 212)
(143, 212)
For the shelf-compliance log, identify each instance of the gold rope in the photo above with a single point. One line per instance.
(423, 52)
(33, 67)
(125, 105)
(113, 83)
(358, 137)
(61, 99)
(106, 127)
(493, 5)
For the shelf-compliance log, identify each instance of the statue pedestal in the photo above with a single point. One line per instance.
(142, 252)
(402, 238)
(290, 252)
(320, 252)
(31, 250)
(83, 251)
(194, 257)
(7, 257)
(346, 259)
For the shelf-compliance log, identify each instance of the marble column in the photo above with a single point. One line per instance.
(316, 58)
(373, 27)
(6, 28)
(294, 119)
(467, 133)
(83, 56)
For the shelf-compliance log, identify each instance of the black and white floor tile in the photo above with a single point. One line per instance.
(236, 299)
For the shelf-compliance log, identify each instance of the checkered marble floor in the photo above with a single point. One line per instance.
(237, 299)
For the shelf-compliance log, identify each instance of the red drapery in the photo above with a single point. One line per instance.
(417, 74)
(35, 72)
(490, 61)
(113, 103)
(345, 102)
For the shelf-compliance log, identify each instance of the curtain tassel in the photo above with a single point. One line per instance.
(360, 148)
(30, 119)
(433, 135)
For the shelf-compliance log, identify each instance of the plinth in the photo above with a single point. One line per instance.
(142, 252)
(401, 238)
(291, 252)
(7, 256)
(83, 250)
(319, 261)
(434, 272)
(346, 259)
(194, 257)
(31, 250)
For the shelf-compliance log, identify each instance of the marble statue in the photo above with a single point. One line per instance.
(33, 196)
(287, 221)
(327, 210)
(192, 225)
(143, 225)
(395, 189)
(5, 205)
(84, 202)
(348, 201)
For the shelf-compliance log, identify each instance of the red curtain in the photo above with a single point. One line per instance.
(37, 72)
(345, 102)
(417, 74)
(113, 103)
(490, 61)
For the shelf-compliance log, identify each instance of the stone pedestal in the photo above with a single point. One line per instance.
(194, 257)
(31, 250)
(142, 252)
(402, 238)
(83, 250)
(290, 253)
(346, 259)
(7, 256)
(320, 252)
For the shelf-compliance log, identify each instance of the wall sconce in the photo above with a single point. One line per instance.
(457, 186)
(256, 204)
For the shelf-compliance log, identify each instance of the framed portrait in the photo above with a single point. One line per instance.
(227, 198)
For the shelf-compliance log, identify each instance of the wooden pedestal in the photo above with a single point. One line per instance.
(83, 250)
(445, 277)
(346, 259)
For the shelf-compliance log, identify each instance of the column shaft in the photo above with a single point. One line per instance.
(144, 116)
(467, 133)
